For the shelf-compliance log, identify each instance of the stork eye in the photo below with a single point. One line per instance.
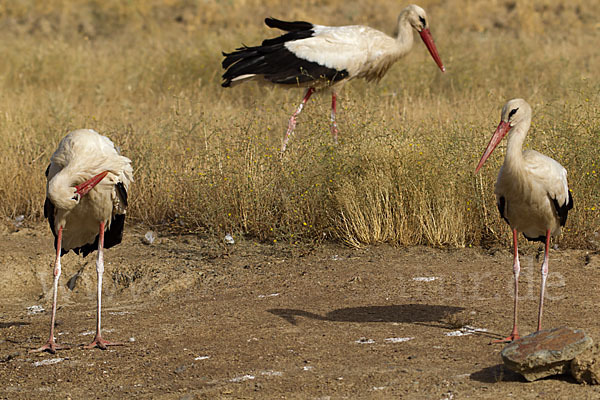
(512, 112)
(422, 21)
(77, 197)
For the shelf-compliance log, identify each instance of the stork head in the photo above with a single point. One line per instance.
(66, 196)
(514, 112)
(417, 18)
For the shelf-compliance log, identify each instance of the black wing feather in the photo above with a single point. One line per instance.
(501, 206)
(122, 192)
(563, 210)
(275, 62)
(49, 215)
(288, 26)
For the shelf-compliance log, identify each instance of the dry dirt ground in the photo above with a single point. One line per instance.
(203, 319)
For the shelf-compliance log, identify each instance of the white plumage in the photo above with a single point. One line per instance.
(362, 51)
(81, 155)
(531, 191)
(317, 56)
(86, 201)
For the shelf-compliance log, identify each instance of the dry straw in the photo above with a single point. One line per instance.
(147, 74)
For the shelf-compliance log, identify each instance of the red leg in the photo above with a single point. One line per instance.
(544, 276)
(98, 341)
(334, 128)
(51, 346)
(292, 123)
(516, 270)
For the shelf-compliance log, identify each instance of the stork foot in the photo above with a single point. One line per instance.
(508, 339)
(50, 347)
(101, 343)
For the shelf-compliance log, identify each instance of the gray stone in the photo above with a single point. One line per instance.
(585, 367)
(545, 353)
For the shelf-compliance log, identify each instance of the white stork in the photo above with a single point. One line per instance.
(86, 199)
(316, 56)
(531, 192)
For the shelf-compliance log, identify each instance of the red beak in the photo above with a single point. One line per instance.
(85, 187)
(501, 131)
(428, 40)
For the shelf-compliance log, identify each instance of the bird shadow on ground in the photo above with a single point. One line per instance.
(4, 325)
(402, 313)
(499, 373)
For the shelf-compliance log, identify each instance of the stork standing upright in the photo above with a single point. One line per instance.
(531, 192)
(316, 56)
(85, 205)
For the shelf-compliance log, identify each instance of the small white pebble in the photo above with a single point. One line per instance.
(36, 309)
(242, 378)
(149, 238)
(229, 239)
(465, 330)
(458, 333)
(262, 296)
(398, 339)
(271, 373)
(48, 361)
(425, 278)
(119, 312)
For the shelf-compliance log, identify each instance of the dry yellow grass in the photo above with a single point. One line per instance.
(147, 74)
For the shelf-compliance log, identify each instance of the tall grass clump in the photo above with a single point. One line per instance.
(147, 74)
